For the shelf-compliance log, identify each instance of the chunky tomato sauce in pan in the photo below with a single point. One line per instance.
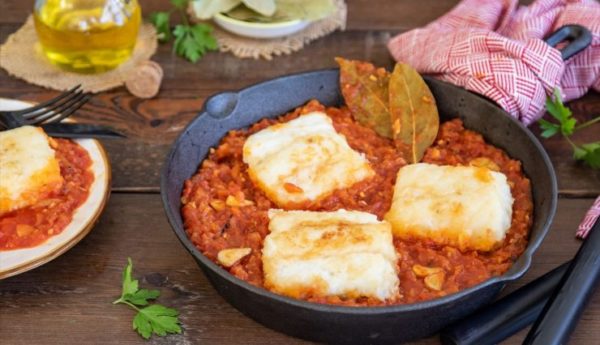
(33, 225)
(222, 208)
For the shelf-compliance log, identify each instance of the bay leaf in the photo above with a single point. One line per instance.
(365, 90)
(414, 115)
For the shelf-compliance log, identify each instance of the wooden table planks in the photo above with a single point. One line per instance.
(68, 301)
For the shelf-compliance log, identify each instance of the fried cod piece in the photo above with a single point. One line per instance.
(465, 207)
(303, 160)
(344, 253)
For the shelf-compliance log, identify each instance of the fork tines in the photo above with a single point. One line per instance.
(57, 108)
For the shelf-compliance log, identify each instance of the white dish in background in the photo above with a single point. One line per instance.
(13, 262)
(260, 30)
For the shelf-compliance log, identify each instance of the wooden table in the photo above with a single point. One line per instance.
(68, 301)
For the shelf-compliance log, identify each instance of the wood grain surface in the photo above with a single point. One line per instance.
(68, 301)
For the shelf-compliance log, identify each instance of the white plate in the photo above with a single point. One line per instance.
(259, 30)
(17, 261)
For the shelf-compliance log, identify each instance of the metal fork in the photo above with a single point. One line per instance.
(53, 110)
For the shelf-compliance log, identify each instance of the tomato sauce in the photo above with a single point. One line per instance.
(212, 225)
(33, 225)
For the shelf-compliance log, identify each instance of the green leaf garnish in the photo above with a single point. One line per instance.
(549, 128)
(161, 20)
(142, 296)
(191, 41)
(155, 318)
(180, 4)
(567, 125)
(557, 109)
(589, 153)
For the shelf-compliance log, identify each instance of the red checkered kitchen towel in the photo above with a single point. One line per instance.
(590, 218)
(496, 49)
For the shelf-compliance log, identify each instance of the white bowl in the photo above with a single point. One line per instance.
(259, 30)
(17, 261)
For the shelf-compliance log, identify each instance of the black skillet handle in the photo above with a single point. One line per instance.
(505, 317)
(578, 37)
(560, 315)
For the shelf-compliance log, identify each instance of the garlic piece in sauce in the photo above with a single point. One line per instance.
(228, 257)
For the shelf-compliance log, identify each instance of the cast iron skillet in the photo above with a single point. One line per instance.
(352, 325)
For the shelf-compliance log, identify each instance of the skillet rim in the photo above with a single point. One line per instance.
(527, 255)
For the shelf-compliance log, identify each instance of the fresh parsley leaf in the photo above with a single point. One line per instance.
(142, 296)
(589, 153)
(155, 318)
(192, 42)
(567, 125)
(130, 285)
(180, 4)
(161, 21)
(203, 34)
(557, 109)
(549, 128)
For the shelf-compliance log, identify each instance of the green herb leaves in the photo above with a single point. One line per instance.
(567, 125)
(180, 4)
(155, 318)
(589, 153)
(161, 21)
(556, 108)
(191, 41)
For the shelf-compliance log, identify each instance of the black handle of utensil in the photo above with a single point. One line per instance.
(506, 316)
(561, 313)
(578, 37)
(80, 130)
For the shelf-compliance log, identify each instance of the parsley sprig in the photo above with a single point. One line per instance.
(567, 125)
(154, 318)
(191, 41)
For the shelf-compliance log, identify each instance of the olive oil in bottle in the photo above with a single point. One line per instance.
(87, 36)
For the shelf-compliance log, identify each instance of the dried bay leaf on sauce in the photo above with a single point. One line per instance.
(365, 90)
(413, 113)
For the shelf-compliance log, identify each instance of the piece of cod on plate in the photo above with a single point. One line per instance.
(303, 160)
(29, 170)
(343, 253)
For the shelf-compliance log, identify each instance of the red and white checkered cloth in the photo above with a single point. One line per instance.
(494, 48)
(590, 218)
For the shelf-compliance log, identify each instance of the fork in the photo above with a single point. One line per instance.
(53, 110)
